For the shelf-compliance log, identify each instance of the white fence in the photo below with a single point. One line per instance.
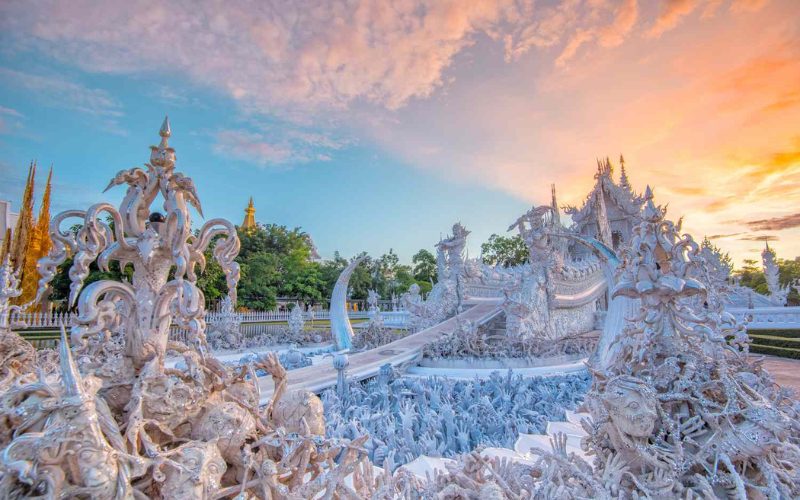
(395, 319)
(41, 320)
(768, 318)
(52, 320)
(280, 316)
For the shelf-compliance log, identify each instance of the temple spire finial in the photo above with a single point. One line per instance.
(165, 130)
(652, 213)
(249, 216)
(163, 155)
(623, 176)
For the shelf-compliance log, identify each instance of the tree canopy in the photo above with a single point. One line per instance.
(504, 251)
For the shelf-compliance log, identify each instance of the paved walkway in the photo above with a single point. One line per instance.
(786, 371)
(367, 364)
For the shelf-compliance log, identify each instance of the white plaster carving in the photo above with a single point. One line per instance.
(113, 421)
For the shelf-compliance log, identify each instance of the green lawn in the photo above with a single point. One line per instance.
(775, 351)
(783, 343)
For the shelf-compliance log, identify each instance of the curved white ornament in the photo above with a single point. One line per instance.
(341, 329)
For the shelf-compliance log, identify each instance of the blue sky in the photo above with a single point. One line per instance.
(359, 198)
(377, 125)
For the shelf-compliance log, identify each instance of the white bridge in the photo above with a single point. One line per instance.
(367, 364)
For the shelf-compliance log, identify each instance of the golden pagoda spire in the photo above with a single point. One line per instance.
(19, 246)
(39, 245)
(249, 216)
(6, 250)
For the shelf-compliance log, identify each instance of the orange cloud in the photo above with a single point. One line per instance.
(670, 15)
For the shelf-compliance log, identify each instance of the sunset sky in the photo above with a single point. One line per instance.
(376, 125)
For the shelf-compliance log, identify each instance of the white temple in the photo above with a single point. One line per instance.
(611, 209)
(672, 406)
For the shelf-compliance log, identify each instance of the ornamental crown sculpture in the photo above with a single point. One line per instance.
(111, 419)
(154, 243)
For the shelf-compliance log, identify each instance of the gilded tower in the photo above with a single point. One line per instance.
(21, 235)
(39, 244)
(249, 216)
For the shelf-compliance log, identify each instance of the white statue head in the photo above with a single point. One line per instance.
(631, 405)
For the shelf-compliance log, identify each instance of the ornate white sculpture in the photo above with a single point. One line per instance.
(450, 252)
(225, 331)
(114, 421)
(441, 303)
(296, 321)
(372, 301)
(341, 329)
(9, 289)
(17, 356)
(777, 293)
(679, 411)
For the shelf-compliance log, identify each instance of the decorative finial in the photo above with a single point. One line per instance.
(162, 155)
(651, 212)
(165, 130)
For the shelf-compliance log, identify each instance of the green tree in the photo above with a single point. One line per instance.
(257, 285)
(504, 251)
(424, 266)
(404, 278)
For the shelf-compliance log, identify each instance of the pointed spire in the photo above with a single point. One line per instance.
(25, 221)
(165, 132)
(249, 216)
(623, 177)
(39, 244)
(163, 155)
(70, 375)
(43, 222)
(651, 212)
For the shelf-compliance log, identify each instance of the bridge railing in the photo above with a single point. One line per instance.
(483, 291)
(768, 318)
(395, 319)
(37, 320)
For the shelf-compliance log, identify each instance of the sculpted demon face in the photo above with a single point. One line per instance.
(171, 400)
(631, 404)
(295, 406)
(196, 473)
(231, 425)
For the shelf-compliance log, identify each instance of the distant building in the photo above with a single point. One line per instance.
(8, 220)
(249, 216)
(611, 209)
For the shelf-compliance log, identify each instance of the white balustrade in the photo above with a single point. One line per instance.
(33, 320)
(768, 318)
(395, 319)
(762, 318)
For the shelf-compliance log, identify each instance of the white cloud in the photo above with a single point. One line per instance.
(63, 93)
(293, 57)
